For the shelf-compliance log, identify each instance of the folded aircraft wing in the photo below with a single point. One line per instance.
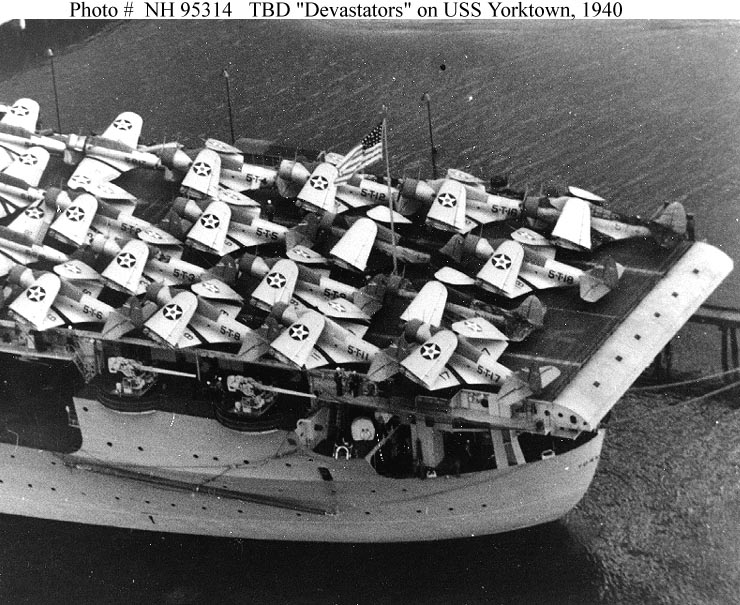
(426, 363)
(72, 225)
(125, 271)
(502, 269)
(447, 211)
(29, 166)
(574, 223)
(428, 305)
(33, 306)
(354, 247)
(209, 231)
(277, 286)
(126, 129)
(169, 323)
(33, 222)
(203, 174)
(319, 192)
(296, 343)
(24, 113)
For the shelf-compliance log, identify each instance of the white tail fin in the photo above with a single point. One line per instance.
(353, 249)
(72, 225)
(124, 272)
(574, 224)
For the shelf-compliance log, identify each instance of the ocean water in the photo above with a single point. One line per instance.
(639, 112)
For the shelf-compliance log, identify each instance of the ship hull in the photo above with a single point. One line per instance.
(363, 508)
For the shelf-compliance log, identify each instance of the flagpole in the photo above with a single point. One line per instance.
(390, 196)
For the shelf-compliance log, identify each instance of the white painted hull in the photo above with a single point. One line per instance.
(284, 497)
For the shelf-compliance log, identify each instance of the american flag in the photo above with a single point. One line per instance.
(369, 151)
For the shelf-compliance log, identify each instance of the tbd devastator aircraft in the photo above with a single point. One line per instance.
(512, 269)
(18, 132)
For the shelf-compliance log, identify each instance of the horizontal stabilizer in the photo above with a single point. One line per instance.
(585, 195)
(453, 277)
(477, 328)
(383, 214)
(528, 237)
(303, 254)
(215, 289)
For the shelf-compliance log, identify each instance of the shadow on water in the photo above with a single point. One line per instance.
(83, 564)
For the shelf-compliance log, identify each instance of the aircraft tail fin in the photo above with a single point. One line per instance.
(225, 270)
(531, 311)
(384, 365)
(670, 224)
(129, 317)
(303, 234)
(599, 281)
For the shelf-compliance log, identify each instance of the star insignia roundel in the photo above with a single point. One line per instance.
(501, 261)
(72, 268)
(19, 110)
(447, 200)
(126, 260)
(172, 312)
(430, 351)
(28, 159)
(276, 280)
(35, 213)
(123, 124)
(79, 179)
(472, 326)
(75, 214)
(36, 293)
(210, 221)
(212, 288)
(298, 332)
(319, 182)
(201, 169)
(337, 306)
